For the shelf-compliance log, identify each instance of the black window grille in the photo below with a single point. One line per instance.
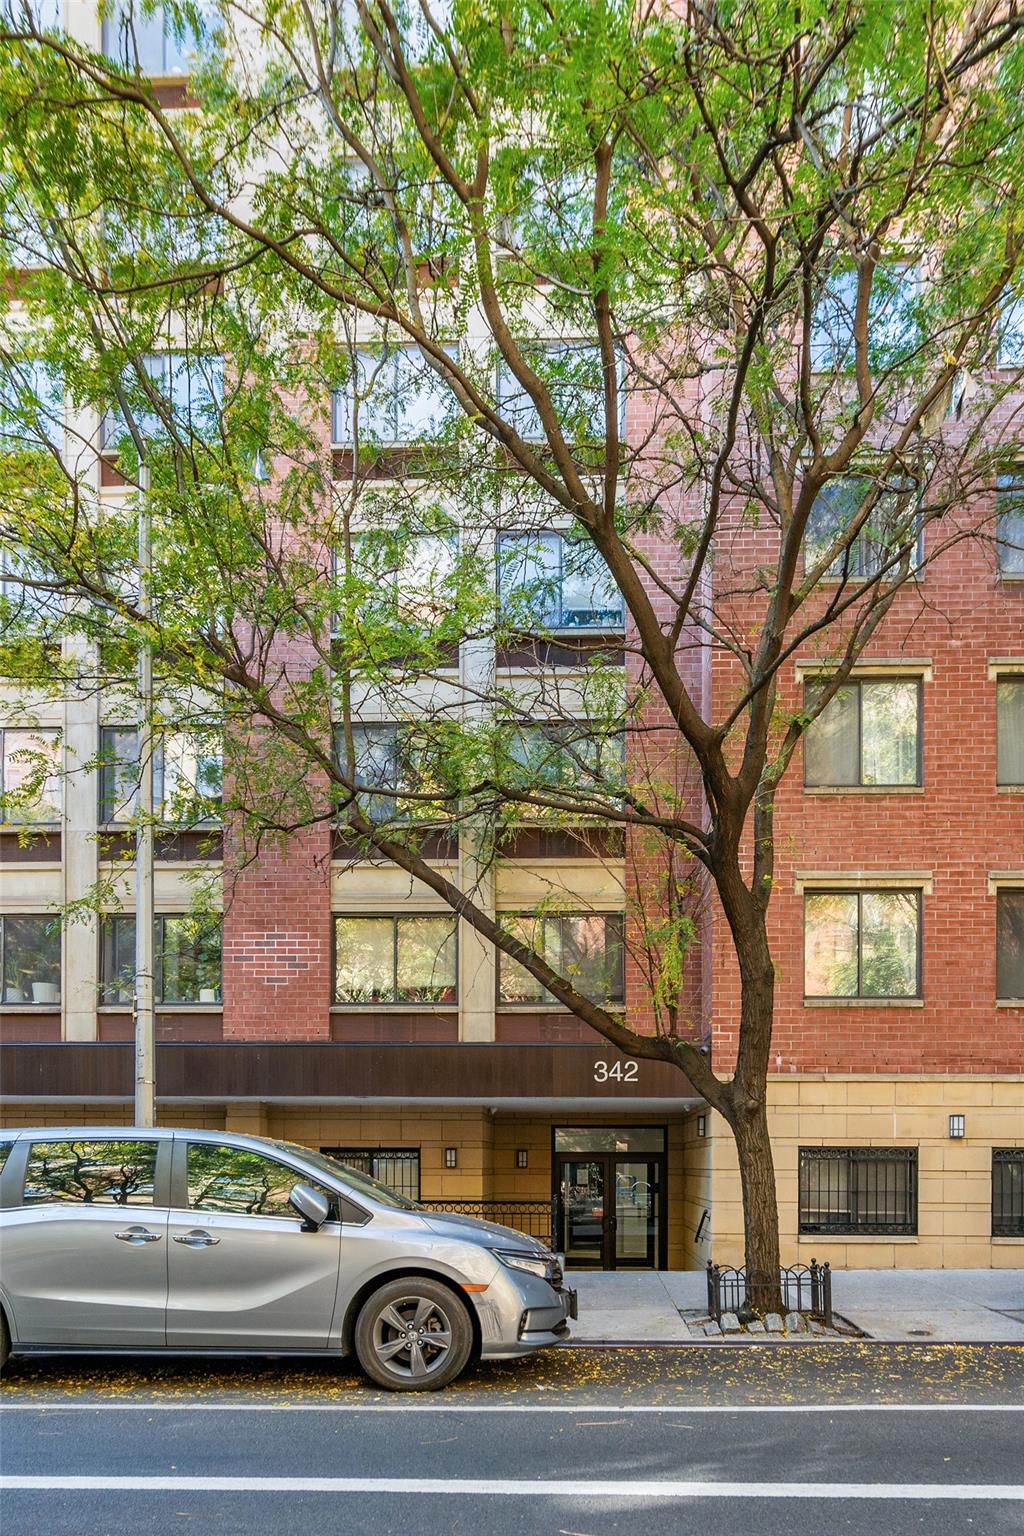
(870, 1190)
(398, 1167)
(1008, 1191)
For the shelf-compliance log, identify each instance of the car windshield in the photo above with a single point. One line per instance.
(359, 1183)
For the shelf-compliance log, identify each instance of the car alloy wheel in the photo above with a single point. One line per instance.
(413, 1336)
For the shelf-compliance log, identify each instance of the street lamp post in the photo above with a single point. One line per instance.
(145, 1018)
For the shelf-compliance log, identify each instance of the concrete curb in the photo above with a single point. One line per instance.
(771, 1341)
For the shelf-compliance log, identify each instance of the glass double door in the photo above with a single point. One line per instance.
(610, 1210)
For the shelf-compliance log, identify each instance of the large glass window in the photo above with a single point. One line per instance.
(30, 959)
(567, 757)
(30, 781)
(31, 405)
(867, 734)
(188, 775)
(892, 323)
(1011, 335)
(398, 1168)
(395, 397)
(189, 387)
(1010, 944)
(156, 44)
(411, 574)
(395, 960)
(574, 375)
(20, 601)
(1010, 524)
(234, 1181)
(395, 759)
(586, 948)
(1010, 730)
(550, 581)
(862, 944)
(188, 959)
(90, 1173)
(871, 1190)
(1008, 1191)
(892, 524)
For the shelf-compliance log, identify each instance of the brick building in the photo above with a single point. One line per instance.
(897, 1096)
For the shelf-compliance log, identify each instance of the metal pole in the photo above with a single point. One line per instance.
(145, 1017)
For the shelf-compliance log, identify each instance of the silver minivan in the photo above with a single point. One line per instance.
(138, 1240)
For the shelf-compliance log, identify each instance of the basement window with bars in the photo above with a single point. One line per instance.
(1008, 1191)
(397, 1167)
(858, 1191)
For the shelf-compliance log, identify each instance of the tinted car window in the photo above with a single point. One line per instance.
(90, 1173)
(5, 1151)
(243, 1183)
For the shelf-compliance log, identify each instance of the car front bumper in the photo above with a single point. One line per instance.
(520, 1313)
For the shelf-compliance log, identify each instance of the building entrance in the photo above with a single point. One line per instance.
(610, 1194)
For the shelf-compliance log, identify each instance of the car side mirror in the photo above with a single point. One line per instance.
(311, 1205)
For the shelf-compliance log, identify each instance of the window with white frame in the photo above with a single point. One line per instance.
(1010, 523)
(573, 372)
(31, 404)
(187, 950)
(868, 734)
(30, 959)
(585, 948)
(553, 581)
(189, 389)
(394, 397)
(188, 775)
(1010, 728)
(862, 943)
(891, 322)
(892, 524)
(158, 43)
(30, 778)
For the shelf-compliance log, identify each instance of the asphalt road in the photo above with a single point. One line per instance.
(847, 1438)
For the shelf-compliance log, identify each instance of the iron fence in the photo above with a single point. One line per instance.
(1008, 1192)
(802, 1288)
(534, 1217)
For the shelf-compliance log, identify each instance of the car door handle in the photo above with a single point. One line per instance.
(138, 1235)
(196, 1239)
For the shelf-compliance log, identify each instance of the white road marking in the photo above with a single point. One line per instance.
(617, 1488)
(33, 1405)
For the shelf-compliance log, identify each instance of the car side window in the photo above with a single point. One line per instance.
(242, 1183)
(5, 1152)
(90, 1173)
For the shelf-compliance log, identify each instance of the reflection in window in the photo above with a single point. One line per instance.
(189, 387)
(862, 944)
(1010, 944)
(567, 756)
(868, 734)
(574, 375)
(1011, 335)
(90, 1173)
(188, 776)
(188, 958)
(395, 960)
(31, 405)
(396, 397)
(1010, 524)
(548, 581)
(30, 958)
(891, 525)
(235, 1181)
(892, 321)
(30, 781)
(157, 43)
(586, 948)
(1010, 730)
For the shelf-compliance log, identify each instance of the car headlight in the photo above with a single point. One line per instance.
(542, 1264)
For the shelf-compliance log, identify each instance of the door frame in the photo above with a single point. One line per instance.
(610, 1158)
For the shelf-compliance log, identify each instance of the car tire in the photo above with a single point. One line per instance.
(413, 1335)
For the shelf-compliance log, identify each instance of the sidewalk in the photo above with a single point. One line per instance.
(963, 1306)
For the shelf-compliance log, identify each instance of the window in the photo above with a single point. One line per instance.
(30, 959)
(45, 14)
(584, 947)
(555, 207)
(870, 1190)
(90, 1173)
(395, 960)
(156, 44)
(1010, 730)
(574, 375)
(400, 398)
(1010, 524)
(1008, 1191)
(190, 388)
(568, 757)
(862, 944)
(1010, 353)
(1010, 944)
(30, 782)
(398, 1168)
(396, 758)
(867, 734)
(548, 581)
(409, 573)
(31, 405)
(187, 776)
(892, 525)
(21, 601)
(892, 323)
(188, 959)
(234, 1181)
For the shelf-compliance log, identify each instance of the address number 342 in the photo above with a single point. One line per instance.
(616, 1071)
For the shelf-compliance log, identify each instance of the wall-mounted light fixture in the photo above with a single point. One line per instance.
(451, 1157)
(522, 1157)
(956, 1127)
(702, 1125)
